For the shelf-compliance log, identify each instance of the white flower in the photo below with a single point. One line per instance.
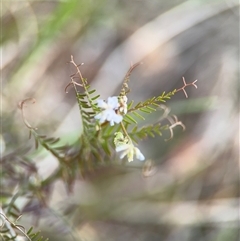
(130, 150)
(109, 111)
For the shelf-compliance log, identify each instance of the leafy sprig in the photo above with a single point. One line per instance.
(86, 98)
(43, 140)
(10, 230)
(108, 127)
(150, 105)
(95, 144)
(146, 107)
(138, 134)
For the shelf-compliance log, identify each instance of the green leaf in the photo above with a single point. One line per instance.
(130, 118)
(95, 97)
(138, 115)
(91, 91)
(146, 131)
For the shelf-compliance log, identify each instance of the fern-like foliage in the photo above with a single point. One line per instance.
(12, 231)
(115, 131)
(88, 108)
(137, 134)
(86, 99)
(35, 236)
(146, 107)
(30, 235)
(95, 145)
(153, 102)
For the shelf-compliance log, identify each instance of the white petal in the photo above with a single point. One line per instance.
(103, 116)
(125, 110)
(113, 102)
(123, 154)
(118, 118)
(122, 147)
(102, 104)
(111, 123)
(139, 154)
(98, 116)
(110, 114)
(113, 117)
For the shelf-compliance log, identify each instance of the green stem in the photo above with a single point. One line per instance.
(125, 132)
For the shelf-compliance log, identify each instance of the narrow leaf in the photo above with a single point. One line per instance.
(95, 97)
(130, 118)
(138, 115)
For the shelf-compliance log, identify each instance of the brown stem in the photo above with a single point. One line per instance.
(185, 85)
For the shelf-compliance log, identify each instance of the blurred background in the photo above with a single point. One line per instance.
(192, 190)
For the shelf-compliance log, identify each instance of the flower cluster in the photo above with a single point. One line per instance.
(109, 111)
(112, 111)
(130, 151)
(125, 145)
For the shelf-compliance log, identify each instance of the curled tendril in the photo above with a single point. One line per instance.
(174, 122)
(185, 85)
(21, 105)
(125, 89)
(71, 83)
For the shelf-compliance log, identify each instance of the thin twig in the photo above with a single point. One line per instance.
(125, 89)
(72, 83)
(21, 106)
(185, 85)
(174, 122)
(7, 223)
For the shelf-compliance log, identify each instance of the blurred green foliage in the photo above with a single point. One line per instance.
(192, 191)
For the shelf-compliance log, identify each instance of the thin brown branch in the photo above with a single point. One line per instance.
(174, 122)
(185, 85)
(78, 70)
(125, 89)
(72, 83)
(21, 105)
(76, 75)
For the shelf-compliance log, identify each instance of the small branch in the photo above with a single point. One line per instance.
(71, 83)
(7, 223)
(78, 72)
(125, 131)
(174, 122)
(153, 101)
(21, 105)
(125, 89)
(10, 226)
(84, 83)
(185, 85)
(74, 83)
